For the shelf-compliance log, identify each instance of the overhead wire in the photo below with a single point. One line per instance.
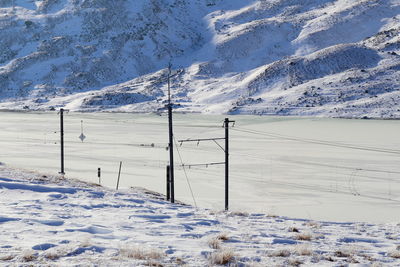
(319, 142)
(184, 170)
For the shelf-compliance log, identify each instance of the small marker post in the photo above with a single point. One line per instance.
(99, 175)
(119, 174)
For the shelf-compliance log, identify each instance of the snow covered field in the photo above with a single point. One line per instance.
(49, 221)
(309, 168)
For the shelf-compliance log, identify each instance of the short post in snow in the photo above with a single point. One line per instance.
(99, 175)
(119, 174)
(62, 140)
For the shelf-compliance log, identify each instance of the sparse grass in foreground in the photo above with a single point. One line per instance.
(313, 224)
(394, 254)
(7, 257)
(303, 250)
(239, 213)
(214, 243)
(304, 236)
(140, 253)
(293, 229)
(29, 255)
(223, 237)
(343, 253)
(224, 256)
(294, 262)
(280, 253)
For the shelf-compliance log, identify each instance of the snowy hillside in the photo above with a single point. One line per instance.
(50, 221)
(314, 57)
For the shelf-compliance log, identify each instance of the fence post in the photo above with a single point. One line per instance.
(99, 175)
(119, 174)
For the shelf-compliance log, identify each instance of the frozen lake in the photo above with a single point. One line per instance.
(312, 168)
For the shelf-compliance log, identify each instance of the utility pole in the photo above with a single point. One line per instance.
(171, 141)
(226, 125)
(226, 151)
(62, 140)
(168, 184)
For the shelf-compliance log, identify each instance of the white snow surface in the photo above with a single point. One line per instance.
(49, 220)
(333, 58)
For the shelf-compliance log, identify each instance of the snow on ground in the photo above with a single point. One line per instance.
(49, 220)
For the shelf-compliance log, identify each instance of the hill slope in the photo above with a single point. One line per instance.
(320, 57)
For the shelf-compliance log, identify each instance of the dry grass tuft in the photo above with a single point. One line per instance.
(7, 257)
(214, 243)
(304, 237)
(52, 255)
(223, 237)
(303, 250)
(394, 254)
(294, 262)
(29, 255)
(154, 263)
(293, 229)
(140, 253)
(343, 253)
(313, 224)
(222, 257)
(239, 213)
(86, 242)
(280, 253)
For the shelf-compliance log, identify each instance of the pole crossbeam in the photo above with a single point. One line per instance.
(201, 139)
(202, 164)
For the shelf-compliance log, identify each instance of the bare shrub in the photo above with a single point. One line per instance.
(280, 253)
(224, 256)
(304, 237)
(303, 250)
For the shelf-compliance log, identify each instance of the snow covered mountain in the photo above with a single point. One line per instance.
(312, 57)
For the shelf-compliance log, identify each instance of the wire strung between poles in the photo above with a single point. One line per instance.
(319, 142)
(184, 170)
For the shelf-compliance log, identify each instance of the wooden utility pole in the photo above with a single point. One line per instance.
(226, 151)
(171, 141)
(226, 125)
(62, 140)
(168, 184)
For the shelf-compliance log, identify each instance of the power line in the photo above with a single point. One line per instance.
(320, 142)
(184, 170)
